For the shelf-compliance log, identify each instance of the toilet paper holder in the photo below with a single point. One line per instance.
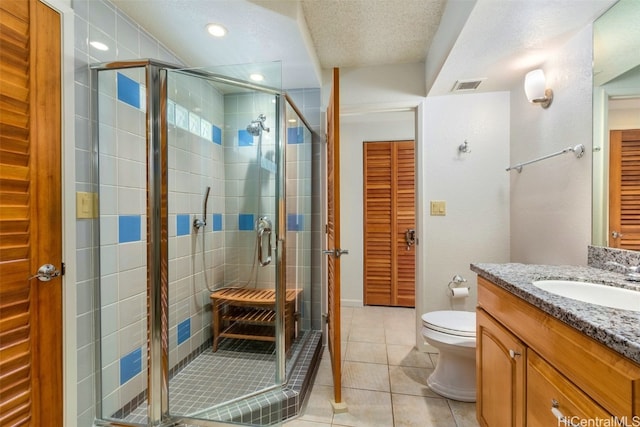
(455, 282)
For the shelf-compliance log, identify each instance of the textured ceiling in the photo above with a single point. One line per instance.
(356, 33)
(493, 39)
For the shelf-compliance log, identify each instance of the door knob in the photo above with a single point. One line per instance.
(616, 235)
(46, 272)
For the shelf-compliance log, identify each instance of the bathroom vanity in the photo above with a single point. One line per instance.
(545, 360)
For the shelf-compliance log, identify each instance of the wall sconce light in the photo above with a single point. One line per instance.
(534, 87)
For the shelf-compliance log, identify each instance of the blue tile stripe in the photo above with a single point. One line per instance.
(130, 365)
(128, 90)
(183, 224)
(184, 331)
(129, 227)
(295, 135)
(295, 222)
(245, 139)
(245, 222)
(217, 222)
(216, 135)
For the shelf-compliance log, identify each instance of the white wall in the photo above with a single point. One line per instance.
(474, 186)
(370, 127)
(551, 200)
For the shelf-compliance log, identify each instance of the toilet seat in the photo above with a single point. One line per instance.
(457, 323)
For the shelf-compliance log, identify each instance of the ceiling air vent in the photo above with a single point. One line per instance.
(466, 85)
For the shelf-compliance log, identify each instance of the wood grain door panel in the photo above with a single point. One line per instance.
(30, 214)
(624, 189)
(389, 211)
(333, 234)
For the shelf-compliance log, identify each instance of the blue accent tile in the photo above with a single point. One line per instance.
(184, 331)
(216, 134)
(128, 90)
(129, 228)
(130, 365)
(183, 224)
(245, 222)
(245, 139)
(295, 135)
(217, 222)
(295, 222)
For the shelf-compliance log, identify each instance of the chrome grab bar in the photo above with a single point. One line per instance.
(263, 227)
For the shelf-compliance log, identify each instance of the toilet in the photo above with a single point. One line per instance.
(453, 333)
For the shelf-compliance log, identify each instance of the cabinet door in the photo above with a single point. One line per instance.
(553, 400)
(500, 366)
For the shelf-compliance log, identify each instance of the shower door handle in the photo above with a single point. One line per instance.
(261, 233)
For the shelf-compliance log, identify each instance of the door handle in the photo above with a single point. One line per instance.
(616, 235)
(264, 227)
(410, 237)
(336, 252)
(46, 272)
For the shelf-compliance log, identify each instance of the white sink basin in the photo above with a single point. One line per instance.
(593, 293)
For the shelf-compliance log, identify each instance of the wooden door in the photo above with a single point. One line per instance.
(624, 189)
(333, 234)
(389, 214)
(30, 214)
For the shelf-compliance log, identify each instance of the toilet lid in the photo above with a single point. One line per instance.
(460, 323)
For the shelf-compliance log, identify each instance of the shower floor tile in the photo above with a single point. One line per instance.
(239, 368)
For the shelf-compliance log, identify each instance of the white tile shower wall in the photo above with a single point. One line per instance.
(245, 201)
(308, 102)
(101, 21)
(196, 161)
(122, 174)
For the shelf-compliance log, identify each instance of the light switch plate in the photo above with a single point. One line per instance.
(438, 208)
(85, 205)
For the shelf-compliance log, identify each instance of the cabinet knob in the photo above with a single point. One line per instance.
(562, 419)
(513, 354)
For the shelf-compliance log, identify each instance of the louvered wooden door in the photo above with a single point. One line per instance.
(624, 189)
(30, 214)
(389, 211)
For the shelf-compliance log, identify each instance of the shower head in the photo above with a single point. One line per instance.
(256, 126)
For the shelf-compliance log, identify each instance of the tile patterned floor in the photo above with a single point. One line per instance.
(384, 378)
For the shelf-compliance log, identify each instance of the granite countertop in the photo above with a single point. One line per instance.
(615, 328)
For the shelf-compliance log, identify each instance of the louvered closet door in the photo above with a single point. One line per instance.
(389, 211)
(624, 189)
(30, 215)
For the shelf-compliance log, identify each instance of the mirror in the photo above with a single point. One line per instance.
(616, 106)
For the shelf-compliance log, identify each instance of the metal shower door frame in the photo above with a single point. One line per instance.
(156, 75)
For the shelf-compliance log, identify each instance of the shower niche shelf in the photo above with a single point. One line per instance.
(250, 314)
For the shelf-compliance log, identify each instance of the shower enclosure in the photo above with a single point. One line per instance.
(204, 190)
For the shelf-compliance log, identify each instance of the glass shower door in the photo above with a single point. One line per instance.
(222, 230)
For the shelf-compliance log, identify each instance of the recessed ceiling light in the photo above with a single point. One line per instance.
(216, 30)
(292, 121)
(99, 45)
(256, 77)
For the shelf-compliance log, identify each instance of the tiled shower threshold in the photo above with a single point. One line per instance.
(209, 386)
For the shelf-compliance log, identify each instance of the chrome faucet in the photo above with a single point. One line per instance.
(631, 272)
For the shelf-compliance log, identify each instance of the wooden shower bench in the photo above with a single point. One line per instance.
(250, 314)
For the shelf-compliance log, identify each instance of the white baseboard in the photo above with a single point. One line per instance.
(351, 303)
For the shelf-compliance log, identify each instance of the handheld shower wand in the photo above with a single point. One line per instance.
(201, 223)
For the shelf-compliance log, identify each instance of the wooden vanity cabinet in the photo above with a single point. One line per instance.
(554, 400)
(534, 368)
(500, 365)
